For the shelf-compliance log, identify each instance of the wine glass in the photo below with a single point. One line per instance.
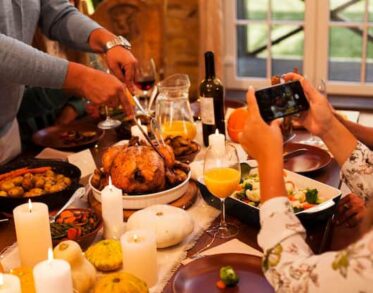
(145, 75)
(222, 173)
(109, 122)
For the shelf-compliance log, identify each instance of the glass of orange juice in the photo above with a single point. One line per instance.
(175, 117)
(222, 174)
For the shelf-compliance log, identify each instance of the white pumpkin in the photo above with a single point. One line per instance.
(170, 224)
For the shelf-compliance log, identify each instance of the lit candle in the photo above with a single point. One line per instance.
(217, 141)
(139, 251)
(53, 275)
(135, 131)
(33, 232)
(9, 284)
(112, 211)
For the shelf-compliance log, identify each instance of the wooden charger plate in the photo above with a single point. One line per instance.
(51, 136)
(202, 274)
(313, 159)
(184, 202)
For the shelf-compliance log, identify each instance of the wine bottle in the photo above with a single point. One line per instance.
(211, 100)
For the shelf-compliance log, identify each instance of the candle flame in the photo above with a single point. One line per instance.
(1, 279)
(50, 255)
(29, 205)
(135, 238)
(139, 121)
(110, 183)
(217, 131)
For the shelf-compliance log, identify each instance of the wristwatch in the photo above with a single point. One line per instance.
(118, 41)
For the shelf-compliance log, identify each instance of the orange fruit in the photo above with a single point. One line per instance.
(236, 122)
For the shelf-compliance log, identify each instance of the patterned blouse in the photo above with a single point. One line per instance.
(288, 262)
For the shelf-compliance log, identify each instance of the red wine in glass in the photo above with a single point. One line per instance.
(145, 84)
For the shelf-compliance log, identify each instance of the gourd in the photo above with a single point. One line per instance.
(105, 255)
(82, 271)
(170, 224)
(119, 283)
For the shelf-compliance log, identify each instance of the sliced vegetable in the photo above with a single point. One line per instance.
(229, 276)
(312, 195)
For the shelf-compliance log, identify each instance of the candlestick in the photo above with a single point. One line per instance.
(135, 131)
(9, 284)
(53, 275)
(33, 232)
(112, 211)
(139, 251)
(217, 141)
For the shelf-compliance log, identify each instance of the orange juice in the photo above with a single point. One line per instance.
(222, 182)
(183, 128)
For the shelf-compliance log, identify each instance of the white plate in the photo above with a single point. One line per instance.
(135, 202)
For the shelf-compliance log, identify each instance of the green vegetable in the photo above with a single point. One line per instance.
(229, 276)
(247, 186)
(312, 196)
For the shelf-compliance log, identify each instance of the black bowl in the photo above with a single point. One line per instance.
(53, 200)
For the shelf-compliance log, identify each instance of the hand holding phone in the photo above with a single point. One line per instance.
(281, 100)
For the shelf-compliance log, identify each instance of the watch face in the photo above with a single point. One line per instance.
(125, 42)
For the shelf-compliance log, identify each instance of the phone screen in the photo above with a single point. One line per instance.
(281, 100)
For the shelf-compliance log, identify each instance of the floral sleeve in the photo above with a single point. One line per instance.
(357, 171)
(290, 265)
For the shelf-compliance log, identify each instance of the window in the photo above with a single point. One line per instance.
(324, 39)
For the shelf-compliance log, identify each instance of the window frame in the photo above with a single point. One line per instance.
(316, 49)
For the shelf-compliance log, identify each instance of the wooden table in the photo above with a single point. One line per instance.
(340, 236)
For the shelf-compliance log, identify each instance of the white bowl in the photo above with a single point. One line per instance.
(135, 202)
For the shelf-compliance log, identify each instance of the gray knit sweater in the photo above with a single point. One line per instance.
(20, 64)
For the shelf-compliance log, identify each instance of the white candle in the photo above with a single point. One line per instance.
(217, 141)
(33, 232)
(53, 275)
(112, 211)
(135, 131)
(139, 252)
(9, 284)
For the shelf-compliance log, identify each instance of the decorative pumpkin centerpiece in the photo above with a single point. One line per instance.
(170, 224)
(105, 255)
(82, 271)
(119, 283)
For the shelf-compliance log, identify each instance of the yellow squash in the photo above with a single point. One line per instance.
(121, 282)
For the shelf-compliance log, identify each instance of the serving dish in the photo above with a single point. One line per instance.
(202, 274)
(55, 136)
(53, 200)
(250, 214)
(135, 202)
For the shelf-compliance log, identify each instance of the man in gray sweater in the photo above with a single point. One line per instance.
(21, 65)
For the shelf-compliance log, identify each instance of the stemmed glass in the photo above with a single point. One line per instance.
(109, 122)
(145, 76)
(222, 173)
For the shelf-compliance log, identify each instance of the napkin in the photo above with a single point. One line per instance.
(232, 246)
(49, 153)
(84, 161)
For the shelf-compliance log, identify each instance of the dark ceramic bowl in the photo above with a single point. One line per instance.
(53, 200)
(85, 240)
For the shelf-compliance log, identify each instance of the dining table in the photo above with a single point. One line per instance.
(322, 237)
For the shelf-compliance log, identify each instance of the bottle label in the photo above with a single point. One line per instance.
(207, 110)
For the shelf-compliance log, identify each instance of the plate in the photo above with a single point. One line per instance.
(202, 274)
(51, 136)
(135, 202)
(312, 159)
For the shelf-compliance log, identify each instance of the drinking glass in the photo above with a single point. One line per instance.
(145, 75)
(109, 122)
(222, 173)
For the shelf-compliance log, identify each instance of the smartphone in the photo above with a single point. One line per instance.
(281, 100)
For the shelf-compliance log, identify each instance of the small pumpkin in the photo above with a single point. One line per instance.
(82, 271)
(119, 283)
(170, 224)
(236, 123)
(105, 255)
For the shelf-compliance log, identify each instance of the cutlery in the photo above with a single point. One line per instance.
(80, 192)
(152, 97)
(4, 220)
